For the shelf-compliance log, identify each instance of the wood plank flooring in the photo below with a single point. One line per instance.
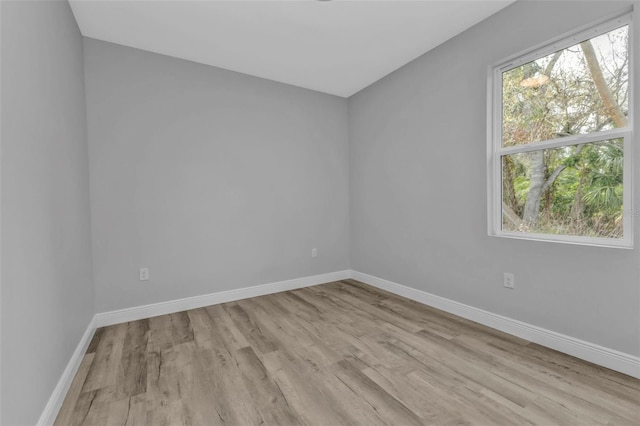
(341, 353)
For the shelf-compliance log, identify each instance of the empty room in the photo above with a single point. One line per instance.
(319, 212)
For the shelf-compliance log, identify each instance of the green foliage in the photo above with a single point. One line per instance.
(555, 97)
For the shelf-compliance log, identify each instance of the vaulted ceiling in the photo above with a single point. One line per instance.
(337, 47)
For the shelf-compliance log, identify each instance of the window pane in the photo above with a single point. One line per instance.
(572, 190)
(581, 89)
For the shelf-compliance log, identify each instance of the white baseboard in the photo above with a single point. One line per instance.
(52, 408)
(50, 412)
(609, 358)
(615, 360)
(179, 305)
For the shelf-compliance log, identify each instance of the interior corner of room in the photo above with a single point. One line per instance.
(135, 184)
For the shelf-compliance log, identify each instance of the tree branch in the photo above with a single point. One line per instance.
(552, 63)
(511, 216)
(610, 106)
(554, 175)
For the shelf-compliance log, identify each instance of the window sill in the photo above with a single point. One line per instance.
(617, 243)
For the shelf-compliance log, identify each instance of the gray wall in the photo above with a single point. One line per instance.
(47, 291)
(217, 180)
(418, 190)
(212, 179)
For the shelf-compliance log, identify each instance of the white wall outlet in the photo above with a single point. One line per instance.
(144, 274)
(314, 252)
(509, 280)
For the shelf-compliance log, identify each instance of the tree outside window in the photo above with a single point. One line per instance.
(562, 129)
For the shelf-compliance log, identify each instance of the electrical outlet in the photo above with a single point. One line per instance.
(314, 252)
(509, 280)
(144, 274)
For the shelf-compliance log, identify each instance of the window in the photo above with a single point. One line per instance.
(560, 140)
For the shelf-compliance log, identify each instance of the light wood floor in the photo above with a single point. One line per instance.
(337, 353)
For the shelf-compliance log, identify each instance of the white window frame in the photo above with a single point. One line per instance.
(495, 150)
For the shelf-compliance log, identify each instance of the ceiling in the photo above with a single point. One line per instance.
(337, 47)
